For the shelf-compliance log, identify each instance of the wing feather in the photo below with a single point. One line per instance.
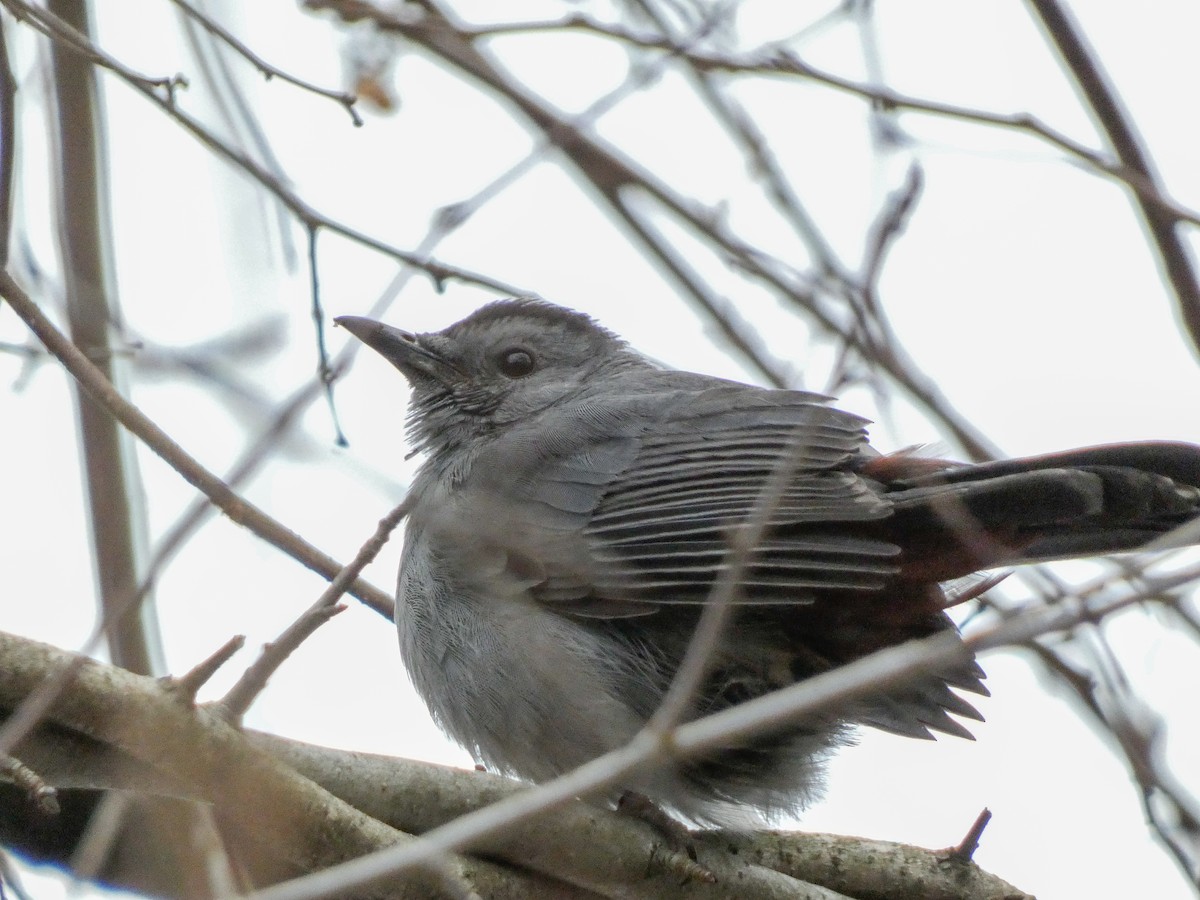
(627, 506)
(653, 485)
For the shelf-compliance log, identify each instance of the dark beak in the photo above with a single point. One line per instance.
(402, 349)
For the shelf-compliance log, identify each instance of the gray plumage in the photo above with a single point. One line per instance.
(574, 510)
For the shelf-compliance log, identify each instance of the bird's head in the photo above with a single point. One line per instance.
(500, 365)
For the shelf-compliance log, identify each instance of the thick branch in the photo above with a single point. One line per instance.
(124, 718)
(583, 844)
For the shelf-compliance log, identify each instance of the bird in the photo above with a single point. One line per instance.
(575, 507)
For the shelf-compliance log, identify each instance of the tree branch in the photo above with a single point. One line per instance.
(269, 71)
(1174, 254)
(620, 857)
(149, 88)
(267, 802)
(235, 507)
(613, 177)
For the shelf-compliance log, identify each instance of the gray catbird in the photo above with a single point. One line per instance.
(576, 506)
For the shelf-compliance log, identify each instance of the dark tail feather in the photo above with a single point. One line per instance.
(956, 519)
(1177, 461)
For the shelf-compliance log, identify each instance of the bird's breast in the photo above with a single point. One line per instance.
(527, 691)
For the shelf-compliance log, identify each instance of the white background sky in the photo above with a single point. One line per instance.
(1023, 287)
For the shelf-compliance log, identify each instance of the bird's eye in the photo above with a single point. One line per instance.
(516, 362)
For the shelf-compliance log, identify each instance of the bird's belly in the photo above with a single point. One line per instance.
(527, 691)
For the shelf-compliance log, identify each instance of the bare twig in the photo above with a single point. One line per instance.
(965, 849)
(325, 371)
(228, 96)
(885, 130)
(874, 330)
(778, 60)
(269, 71)
(1173, 251)
(888, 227)
(763, 164)
(738, 333)
(761, 160)
(188, 685)
(786, 63)
(236, 508)
(70, 38)
(440, 273)
(1170, 809)
(252, 682)
(8, 143)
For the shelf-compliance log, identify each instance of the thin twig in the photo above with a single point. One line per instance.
(1102, 692)
(440, 273)
(776, 59)
(269, 71)
(885, 130)
(786, 63)
(965, 849)
(104, 828)
(734, 329)
(235, 507)
(324, 370)
(874, 328)
(887, 228)
(70, 38)
(255, 678)
(256, 455)
(762, 162)
(228, 96)
(188, 685)
(8, 144)
(1105, 106)
(760, 159)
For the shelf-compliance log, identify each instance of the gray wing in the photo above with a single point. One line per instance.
(637, 497)
(649, 489)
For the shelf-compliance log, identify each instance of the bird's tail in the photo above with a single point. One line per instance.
(953, 519)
